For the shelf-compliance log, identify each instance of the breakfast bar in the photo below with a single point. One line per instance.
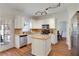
(41, 44)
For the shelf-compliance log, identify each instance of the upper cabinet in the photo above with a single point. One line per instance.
(37, 23)
(19, 22)
(51, 22)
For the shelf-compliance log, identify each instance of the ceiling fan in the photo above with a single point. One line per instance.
(44, 12)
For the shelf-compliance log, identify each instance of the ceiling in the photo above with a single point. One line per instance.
(30, 8)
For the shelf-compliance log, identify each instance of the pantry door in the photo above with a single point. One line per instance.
(6, 33)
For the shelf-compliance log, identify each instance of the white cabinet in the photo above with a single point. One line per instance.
(23, 40)
(54, 39)
(19, 22)
(41, 47)
(29, 39)
(20, 41)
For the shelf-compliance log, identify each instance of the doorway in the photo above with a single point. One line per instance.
(61, 28)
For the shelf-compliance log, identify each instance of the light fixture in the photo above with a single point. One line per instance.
(41, 12)
(44, 12)
(56, 6)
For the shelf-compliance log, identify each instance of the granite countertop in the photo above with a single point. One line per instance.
(41, 36)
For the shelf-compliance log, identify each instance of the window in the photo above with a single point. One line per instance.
(4, 33)
(27, 27)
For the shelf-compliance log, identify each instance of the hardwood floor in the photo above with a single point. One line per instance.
(60, 49)
(24, 51)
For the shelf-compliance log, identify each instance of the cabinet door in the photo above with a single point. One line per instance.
(25, 40)
(19, 22)
(29, 39)
(21, 41)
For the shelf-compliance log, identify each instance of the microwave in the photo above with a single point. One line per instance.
(45, 29)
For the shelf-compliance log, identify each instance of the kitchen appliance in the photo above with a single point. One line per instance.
(45, 29)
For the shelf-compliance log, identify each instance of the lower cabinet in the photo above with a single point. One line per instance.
(20, 41)
(41, 47)
(54, 39)
(29, 39)
(23, 40)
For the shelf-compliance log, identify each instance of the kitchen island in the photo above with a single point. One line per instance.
(41, 44)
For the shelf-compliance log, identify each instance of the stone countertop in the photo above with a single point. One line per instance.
(41, 36)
